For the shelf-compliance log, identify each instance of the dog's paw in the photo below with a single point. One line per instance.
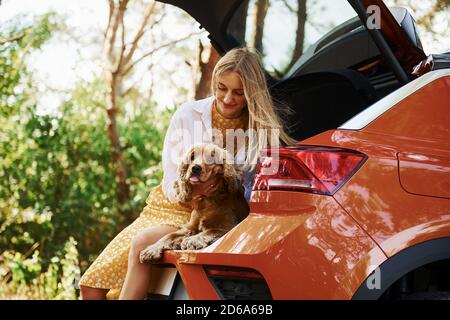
(151, 254)
(194, 243)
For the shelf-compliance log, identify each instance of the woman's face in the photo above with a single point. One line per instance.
(230, 98)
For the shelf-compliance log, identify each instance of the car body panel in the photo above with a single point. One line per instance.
(374, 197)
(425, 174)
(318, 238)
(394, 218)
(368, 115)
(412, 118)
(415, 133)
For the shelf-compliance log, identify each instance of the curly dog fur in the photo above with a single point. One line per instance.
(213, 215)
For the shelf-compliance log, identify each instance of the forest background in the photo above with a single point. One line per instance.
(86, 92)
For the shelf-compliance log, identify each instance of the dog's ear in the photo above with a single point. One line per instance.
(231, 174)
(181, 186)
(182, 191)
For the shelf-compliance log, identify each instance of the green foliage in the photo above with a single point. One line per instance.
(57, 179)
(58, 199)
(143, 140)
(28, 35)
(25, 278)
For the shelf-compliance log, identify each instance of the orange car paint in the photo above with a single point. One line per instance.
(315, 236)
(309, 246)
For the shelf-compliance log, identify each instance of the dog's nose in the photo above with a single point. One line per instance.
(196, 169)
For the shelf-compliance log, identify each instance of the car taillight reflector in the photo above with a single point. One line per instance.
(232, 272)
(237, 283)
(313, 169)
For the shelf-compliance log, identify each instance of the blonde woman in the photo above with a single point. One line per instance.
(241, 104)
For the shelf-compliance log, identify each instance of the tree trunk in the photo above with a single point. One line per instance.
(113, 64)
(261, 7)
(203, 87)
(117, 157)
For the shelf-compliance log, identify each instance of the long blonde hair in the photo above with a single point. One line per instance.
(262, 115)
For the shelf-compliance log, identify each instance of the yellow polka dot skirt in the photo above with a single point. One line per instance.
(109, 269)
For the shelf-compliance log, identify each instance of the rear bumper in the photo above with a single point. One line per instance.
(305, 246)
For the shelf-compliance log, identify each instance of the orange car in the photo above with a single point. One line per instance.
(360, 208)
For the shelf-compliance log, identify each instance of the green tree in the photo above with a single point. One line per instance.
(58, 201)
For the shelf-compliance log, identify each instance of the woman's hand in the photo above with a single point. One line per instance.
(204, 189)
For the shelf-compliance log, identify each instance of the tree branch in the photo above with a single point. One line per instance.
(13, 38)
(131, 87)
(111, 12)
(163, 14)
(139, 34)
(288, 6)
(168, 44)
(116, 14)
(118, 67)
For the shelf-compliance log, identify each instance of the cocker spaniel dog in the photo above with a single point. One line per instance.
(214, 213)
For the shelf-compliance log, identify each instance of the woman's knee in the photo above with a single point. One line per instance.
(147, 237)
(140, 242)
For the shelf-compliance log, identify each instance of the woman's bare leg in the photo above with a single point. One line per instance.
(138, 274)
(89, 293)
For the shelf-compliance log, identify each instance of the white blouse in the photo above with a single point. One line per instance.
(191, 124)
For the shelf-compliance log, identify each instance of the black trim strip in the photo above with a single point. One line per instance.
(403, 262)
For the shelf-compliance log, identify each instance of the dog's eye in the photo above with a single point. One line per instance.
(192, 156)
(210, 160)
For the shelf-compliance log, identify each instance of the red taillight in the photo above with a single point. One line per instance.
(312, 169)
